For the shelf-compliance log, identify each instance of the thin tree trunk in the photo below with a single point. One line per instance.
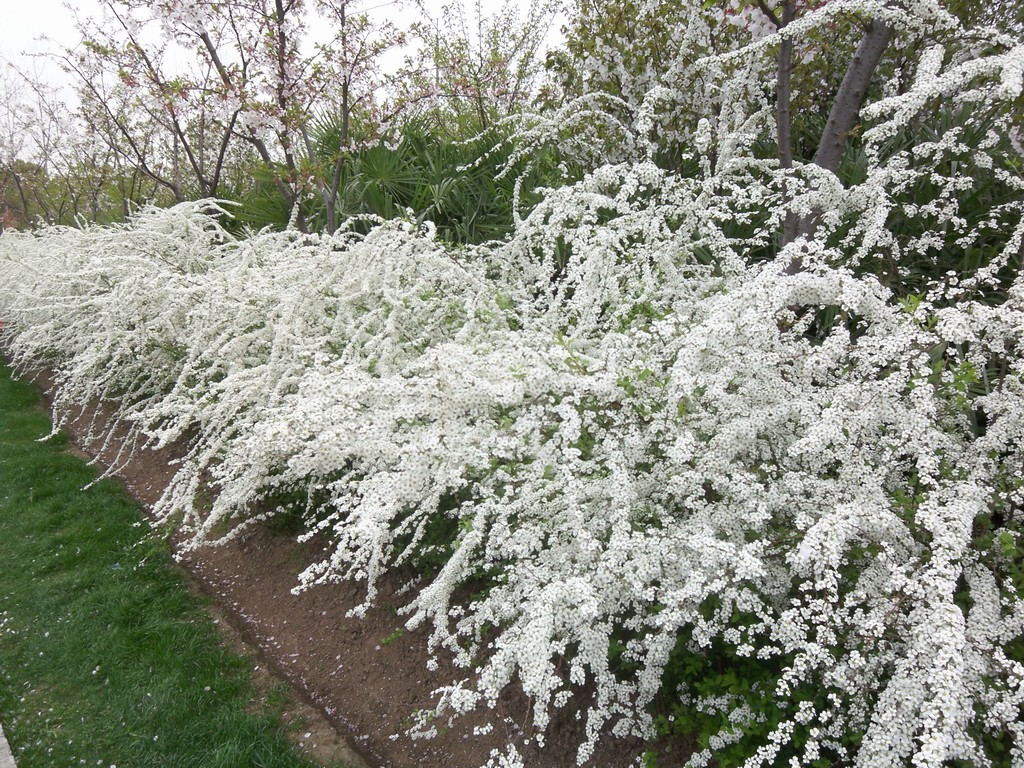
(852, 93)
(784, 114)
(841, 120)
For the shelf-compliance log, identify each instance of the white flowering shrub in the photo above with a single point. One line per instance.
(651, 462)
(96, 305)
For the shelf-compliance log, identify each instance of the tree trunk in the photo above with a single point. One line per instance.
(841, 120)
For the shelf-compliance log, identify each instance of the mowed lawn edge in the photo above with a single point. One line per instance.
(106, 657)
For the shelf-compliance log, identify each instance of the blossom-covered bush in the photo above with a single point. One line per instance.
(702, 478)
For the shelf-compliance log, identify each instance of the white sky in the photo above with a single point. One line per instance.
(24, 22)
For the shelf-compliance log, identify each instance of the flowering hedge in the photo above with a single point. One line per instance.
(699, 483)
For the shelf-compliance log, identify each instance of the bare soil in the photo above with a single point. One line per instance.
(358, 682)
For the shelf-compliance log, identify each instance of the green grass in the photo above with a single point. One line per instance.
(106, 658)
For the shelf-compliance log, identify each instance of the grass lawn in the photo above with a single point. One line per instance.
(106, 658)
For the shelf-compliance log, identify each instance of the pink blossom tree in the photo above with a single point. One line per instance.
(255, 79)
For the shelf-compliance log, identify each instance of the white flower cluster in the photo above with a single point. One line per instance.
(619, 428)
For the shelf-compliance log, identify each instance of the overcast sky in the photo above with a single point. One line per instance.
(24, 22)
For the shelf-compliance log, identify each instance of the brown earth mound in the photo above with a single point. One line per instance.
(362, 679)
